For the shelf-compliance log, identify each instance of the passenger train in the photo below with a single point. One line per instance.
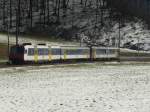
(28, 53)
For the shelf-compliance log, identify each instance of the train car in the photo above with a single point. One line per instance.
(75, 53)
(16, 54)
(55, 53)
(104, 53)
(42, 53)
(28, 53)
(36, 53)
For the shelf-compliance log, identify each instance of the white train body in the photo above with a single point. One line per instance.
(40, 53)
(45, 53)
(75, 53)
(101, 52)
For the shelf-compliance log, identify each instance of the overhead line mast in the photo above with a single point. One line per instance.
(17, 21)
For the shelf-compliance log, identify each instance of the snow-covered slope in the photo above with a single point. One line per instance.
(131, 31)
(81, 21)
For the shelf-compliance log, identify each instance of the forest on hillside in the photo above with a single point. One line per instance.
(39, 15)
(138, 8)
(96, 20)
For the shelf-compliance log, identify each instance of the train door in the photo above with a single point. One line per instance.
(55, 53)
(35, 54)
(49, 54)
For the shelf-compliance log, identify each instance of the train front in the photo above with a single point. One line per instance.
(16, 54)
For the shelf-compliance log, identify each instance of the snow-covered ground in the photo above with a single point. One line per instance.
(76, 88)
(33, 40)
(132, 31)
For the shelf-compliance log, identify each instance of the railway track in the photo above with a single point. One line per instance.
(139, 59)
(123, 60)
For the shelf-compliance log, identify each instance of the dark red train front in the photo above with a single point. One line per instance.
(16, 54)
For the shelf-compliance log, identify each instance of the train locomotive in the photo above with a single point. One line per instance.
(28, 53)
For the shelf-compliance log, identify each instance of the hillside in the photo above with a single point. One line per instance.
(91, 21)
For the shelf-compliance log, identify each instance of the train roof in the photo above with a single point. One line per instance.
(57, 46)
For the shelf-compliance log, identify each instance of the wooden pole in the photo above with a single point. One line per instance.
(119, 38)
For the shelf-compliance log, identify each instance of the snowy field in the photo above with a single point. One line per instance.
(76, 88)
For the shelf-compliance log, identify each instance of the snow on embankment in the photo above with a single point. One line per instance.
(132, 31)
(134, 55)
(128, 52)
(33, 40)
(135, 32)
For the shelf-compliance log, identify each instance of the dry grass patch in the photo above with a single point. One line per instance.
(3, 51)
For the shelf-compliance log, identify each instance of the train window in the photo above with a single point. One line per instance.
(46, 52)
(110, 51)
(100, 51)
(40, 51)
(80, 51)
(72, 52)
(56, 51)
(76, 51)
(31, 51)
